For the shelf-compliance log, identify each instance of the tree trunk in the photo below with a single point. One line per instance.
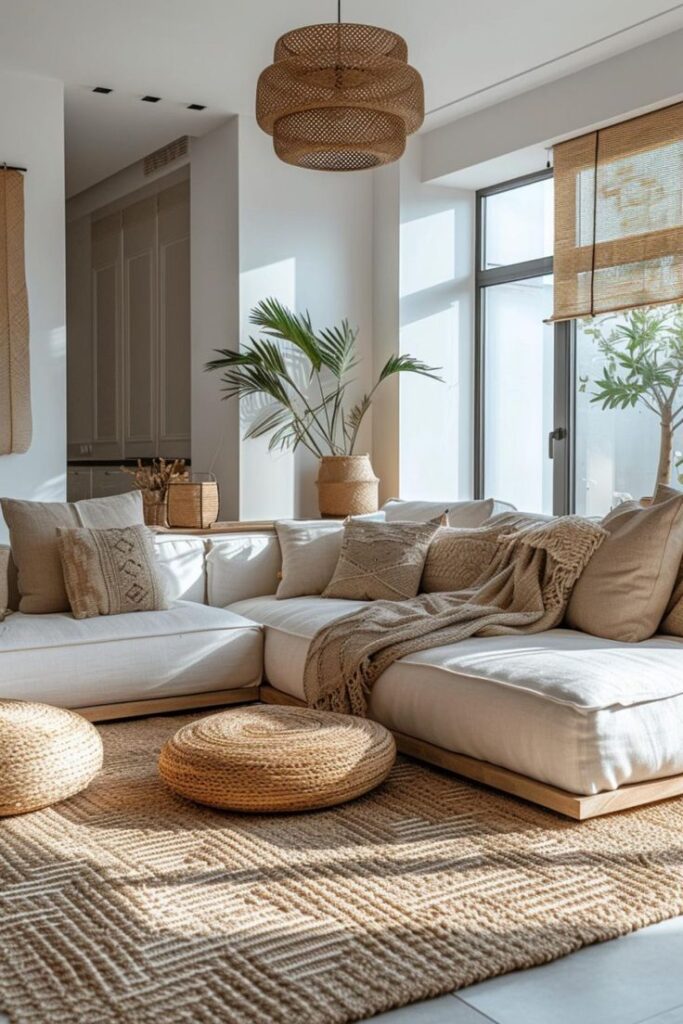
(665, 451)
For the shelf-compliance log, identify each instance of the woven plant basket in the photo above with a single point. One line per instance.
(347, 486)
(266, 759)
(46, 755)
(155, 508)
(193, 504)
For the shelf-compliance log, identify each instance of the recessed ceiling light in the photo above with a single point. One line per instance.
(103, 89)
(150, 99)
(196, 106)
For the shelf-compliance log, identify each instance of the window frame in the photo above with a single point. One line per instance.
(561, 440)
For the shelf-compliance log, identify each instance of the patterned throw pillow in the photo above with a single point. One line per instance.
(110, 572)
(381, 561)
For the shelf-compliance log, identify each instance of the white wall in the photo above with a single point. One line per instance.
(32, 136)
(610, 90)
(214, 247)
(424, 307)
(436, 289)
(305, 238)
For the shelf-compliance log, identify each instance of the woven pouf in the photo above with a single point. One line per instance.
(46, 755)
(266, 758)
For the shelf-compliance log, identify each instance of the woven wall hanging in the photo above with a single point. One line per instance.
(340, 97)
(15, 385)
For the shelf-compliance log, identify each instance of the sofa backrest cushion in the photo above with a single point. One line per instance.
(181, 563)
(464, 514)
(33, 537)
(5, 555)
(241, 566)
(625, 589)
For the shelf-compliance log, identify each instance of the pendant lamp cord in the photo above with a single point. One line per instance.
(339, 12)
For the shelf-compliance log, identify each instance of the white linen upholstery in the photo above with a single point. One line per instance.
(578, 712)
(242, 565)
(466, 514)
(190, 648)
(181, 562)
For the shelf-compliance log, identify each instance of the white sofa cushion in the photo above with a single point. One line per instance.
(190, 648)
(578, 712)
(241, 565)
(181, 562)
(459, 513)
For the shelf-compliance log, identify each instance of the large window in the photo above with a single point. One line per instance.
(541, 442)
(515, 351)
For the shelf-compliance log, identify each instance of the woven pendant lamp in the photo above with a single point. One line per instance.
(340, 97)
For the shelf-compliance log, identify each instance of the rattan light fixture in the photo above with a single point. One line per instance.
(340, 97)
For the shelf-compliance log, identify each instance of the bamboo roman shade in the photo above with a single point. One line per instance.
(619, 216)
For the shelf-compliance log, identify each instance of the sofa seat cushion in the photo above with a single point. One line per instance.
(578, 712)
(189, 648)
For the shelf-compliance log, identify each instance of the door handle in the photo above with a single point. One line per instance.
(558, 434)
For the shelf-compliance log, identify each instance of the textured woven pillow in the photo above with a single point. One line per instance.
(310, 552)
(381, 561)
(110, 572)
(33, 538)
(626, 587)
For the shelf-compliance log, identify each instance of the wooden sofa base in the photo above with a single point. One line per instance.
(158, 705)
(569, 804)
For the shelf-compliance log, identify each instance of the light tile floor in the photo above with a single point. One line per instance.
(634, 980)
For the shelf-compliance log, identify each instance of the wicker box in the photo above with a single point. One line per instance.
(193, 504)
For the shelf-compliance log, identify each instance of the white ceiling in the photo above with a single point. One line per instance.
(470, 52)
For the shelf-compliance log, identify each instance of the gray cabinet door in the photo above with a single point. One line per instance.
(174, 322)
(106, 338)
(140, 362)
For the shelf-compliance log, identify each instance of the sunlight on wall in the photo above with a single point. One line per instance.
(429, 410)
(429, 247)
(267, 480)
(435, 326)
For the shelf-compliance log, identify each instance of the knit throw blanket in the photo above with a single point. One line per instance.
(524, 588)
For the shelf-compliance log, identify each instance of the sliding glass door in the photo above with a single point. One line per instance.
(522, 410)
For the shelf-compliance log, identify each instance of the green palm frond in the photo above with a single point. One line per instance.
(312, 414)
(278, 322)
(408, 364)
(337, 347)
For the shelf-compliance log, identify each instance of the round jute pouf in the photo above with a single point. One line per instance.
(46, 755)
(268, 758)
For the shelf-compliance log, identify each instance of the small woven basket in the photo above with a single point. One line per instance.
(193, 504)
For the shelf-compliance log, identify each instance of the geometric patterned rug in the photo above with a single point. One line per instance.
(128, 904)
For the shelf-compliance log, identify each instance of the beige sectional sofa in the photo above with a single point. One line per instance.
(571, 721)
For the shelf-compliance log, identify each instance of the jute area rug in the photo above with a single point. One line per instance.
(127, 903)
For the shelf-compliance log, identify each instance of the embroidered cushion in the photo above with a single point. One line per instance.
(33, 539)
(110, 572)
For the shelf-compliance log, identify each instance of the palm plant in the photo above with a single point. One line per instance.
(302, 376)
(643, 365)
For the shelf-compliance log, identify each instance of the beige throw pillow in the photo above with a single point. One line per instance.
(33, 529)
(310, 551)
(110, 572)
(381, 561)
(624, 590)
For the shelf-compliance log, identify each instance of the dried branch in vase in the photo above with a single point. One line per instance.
(157, 474)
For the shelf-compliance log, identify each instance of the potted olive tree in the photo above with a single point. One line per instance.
(301, 377)
(643, 366)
